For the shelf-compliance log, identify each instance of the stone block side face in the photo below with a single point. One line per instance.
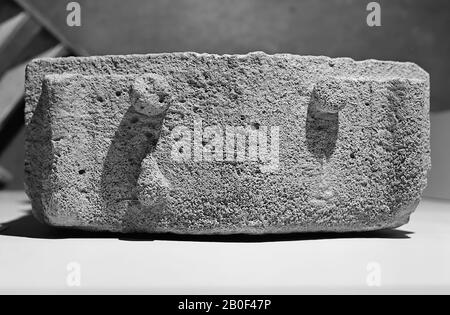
(38, 155)
(353, 160)
(97, 138)
(374, 171)
(411, 160)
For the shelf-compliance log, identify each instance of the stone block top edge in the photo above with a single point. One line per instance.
(60, 77)
(256, 54)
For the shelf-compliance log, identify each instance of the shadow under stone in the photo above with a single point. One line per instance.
(28, 227)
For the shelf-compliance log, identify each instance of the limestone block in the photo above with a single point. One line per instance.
(200, 143)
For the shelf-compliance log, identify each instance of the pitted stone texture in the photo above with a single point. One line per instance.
(353, 143)
(149, 95)
(332, 94)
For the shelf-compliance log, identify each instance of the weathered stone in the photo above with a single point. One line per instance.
(199, 143)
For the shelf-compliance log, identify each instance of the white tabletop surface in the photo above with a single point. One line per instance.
(38, 259)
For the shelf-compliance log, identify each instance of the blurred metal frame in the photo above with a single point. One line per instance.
(26, 39)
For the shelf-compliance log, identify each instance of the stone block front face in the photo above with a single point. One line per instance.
(199, 143)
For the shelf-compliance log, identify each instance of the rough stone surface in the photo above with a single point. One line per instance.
(199, 143)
